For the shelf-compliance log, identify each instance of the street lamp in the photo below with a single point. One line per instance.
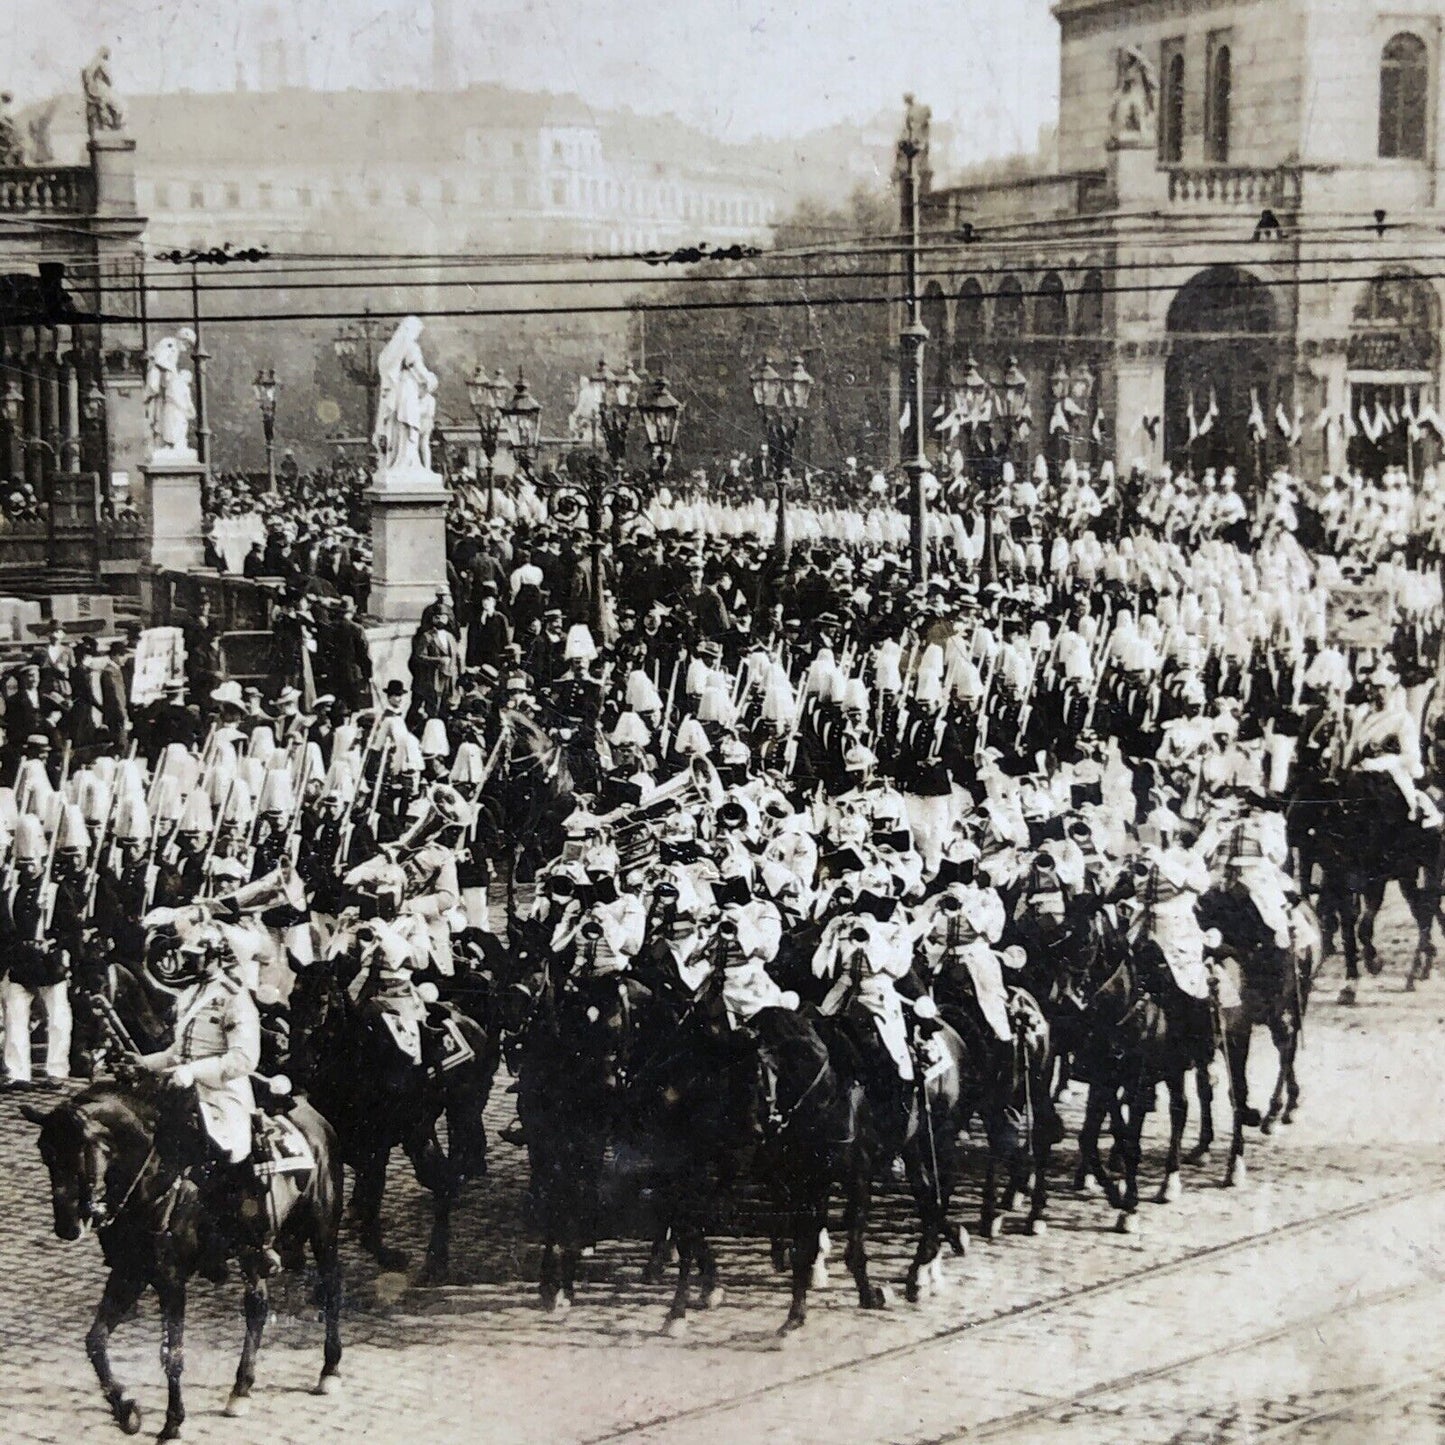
(355, 348)
(977, 402)
(488, 398)
(523, 418)
(661, 412)
(616, 401)
(265, 386)
(782, 403)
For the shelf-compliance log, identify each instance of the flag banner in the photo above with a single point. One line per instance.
(906, 417)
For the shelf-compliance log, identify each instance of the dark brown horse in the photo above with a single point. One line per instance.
(120, 1160)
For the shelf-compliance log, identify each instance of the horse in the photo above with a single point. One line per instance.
(1355, 829)
(527, 796)
(378, 1098)
(1275, 987)
(799, 1126)
(1141, 1030)
(117, 1164)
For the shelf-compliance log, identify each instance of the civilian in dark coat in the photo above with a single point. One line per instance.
(115, 697)
(489, 634)
(350, 660)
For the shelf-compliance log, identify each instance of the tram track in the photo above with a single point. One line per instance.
(903, 1352)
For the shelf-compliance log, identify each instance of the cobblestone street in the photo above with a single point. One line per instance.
(1302, 1306)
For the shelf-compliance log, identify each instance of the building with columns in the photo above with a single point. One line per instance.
(1245, 218)
(71, 356)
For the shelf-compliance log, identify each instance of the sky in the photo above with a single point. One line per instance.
(736, 68)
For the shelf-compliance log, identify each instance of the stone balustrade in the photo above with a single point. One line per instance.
(47, 190)
(1235, 186)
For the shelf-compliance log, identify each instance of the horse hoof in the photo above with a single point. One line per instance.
(1038, 1228)
(819, 1278)
(1089, 1188)
(1266, 1125)
(993, 1228)
(237, 1407)
(1410, 984)
(912, 1291)
(168, 1432)
(653, 1274)
(391, 1261)
(127, 1416)
(937, 1278)
(556, 1305)
(879, 1297)
(675, 1327)
(788, 1329)
(587, 1251)
(1250, 1118)
(1237, 1175)
(1172, 1189)
(1347, 994)
(329, 1385)
(825, 1242)
(434, 1274)
(1127, 1222)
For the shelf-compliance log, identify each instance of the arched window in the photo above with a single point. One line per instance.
(1404, 98)
(1171, 119)
(1396, 326)
(1220, 80)
(1008, 313)
(1089, 314)
(969, 320)
(1051, 310)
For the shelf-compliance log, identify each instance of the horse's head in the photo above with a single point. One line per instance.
(76, 1150)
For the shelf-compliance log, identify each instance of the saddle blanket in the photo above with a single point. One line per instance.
(279, 1147)
(933, 1057)
(455, 1048)
(405, 1031)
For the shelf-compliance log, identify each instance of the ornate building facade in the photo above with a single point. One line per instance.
(1237, 258)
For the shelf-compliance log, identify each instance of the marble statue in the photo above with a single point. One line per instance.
(406, 408)
(12, 149)
(1133, 111)
(169, 405)
(102, 109)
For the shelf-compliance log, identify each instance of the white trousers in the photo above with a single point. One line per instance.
(931, 819)
(16, 1001)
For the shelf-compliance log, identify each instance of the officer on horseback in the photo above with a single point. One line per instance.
(216, 1049)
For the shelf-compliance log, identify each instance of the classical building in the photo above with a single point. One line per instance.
(479, 169)
(1244, 221)
(71, 349)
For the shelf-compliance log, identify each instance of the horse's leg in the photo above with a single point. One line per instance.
(808, 1220)
(1131, 1150)
(1347, 914)
(1205, 1090)
(1096, 1108)
(923, 1184)
(655, 1270)
(328, 1269)
(686, 1233)
(256, 1307)
(173, 1353)
(436, 1173)
(116, 1300)
(1282, 1031)
(988, 1218)
(1372, 898)
(366, 1196)
(1236, 1055)
(1172, 1188)
(1041, 1138)
(860, 1199)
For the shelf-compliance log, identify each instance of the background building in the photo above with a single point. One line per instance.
(1252, 215)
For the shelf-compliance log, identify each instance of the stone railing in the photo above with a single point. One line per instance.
(1235, 186)
(55, 190)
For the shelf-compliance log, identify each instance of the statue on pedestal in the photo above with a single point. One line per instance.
(1133, 112)
(103, 110)
(169, 405)
(406, 408)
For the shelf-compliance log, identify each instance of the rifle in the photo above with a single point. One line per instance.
(371, 812)
(665, 735)
(47, 887)
(93, 872)
(216, 831)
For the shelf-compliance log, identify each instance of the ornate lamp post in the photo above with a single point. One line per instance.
(661, 413)
(265, 386)
(14, 404)
(522, 416)
(355, 348)
(616, 401)
(488, 399)
(782, 403)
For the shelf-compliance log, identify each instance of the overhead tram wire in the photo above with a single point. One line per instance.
(742, 304)
(241, 287)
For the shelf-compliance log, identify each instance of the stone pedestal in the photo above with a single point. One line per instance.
(408, 543)
(112, 162)
(173, 508)
(1135, 176)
